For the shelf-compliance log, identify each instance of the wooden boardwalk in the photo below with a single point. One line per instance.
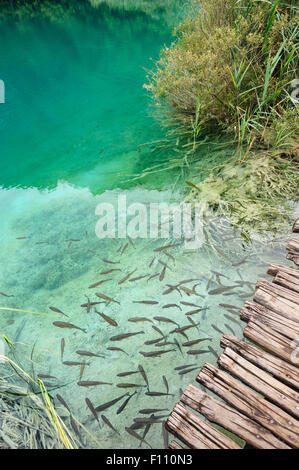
(257, 382)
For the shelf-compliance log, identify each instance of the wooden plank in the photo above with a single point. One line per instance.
(261, 381)
(196, 433)
(278, 304)
(293, 257)
(250, 404)
(275, 268)
(293, 246)
(296, 226)
(271, 340)
(231, 419)
(285, 372)
(279, 291)
(285, 326)
(175, 446)
(287, 281)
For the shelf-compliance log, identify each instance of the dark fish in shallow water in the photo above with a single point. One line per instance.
(117, 349)
(212, 350)
(165, 343)
(169, 255)
(149, 411)
(195, 352)
(195, 341)
(230, 329)
(229, 306)
(152, 341)
(110, 262)
(151, 263)
(134, 434)
(172, 306)
(221, 290)
(184, 367)
(109, 271)
(189, 304)
(106, 421)
(232, 319)
(125, 335)
(43, 376)
(145, 302)
(72, 363)
(155, 353)
(124, 404)
(91, 383)
(238, 263)
(105, 297)
(96, 284)
(91, 304)
(107, 319)
(194, 312)
(165, 435)
(21, 238)
(124, 374)
(82, 369)
(126, 277)
(137, 278)
(89, 354)
(178, 345)
(151, 420)
(109, 403)
(186, 371)
(62, 346)
(62, 324)
(193, 323)
(6, 295)
(166, 383)
(153, 276)
(124, 248)
(144, 376)
(158, 394)
(166, 320)
(189, 291)
(131, 241)
(158, 331)
(162, 275)
(139, 319)
(62, 401)
(92, 409)
(54, 309)
(162, 248)
(129, 385)
(217, 329)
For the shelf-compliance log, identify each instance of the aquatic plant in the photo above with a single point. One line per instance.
(231, 72)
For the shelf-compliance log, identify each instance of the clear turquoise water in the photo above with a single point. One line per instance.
(74, 116)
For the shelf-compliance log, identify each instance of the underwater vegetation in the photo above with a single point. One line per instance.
(232, 73)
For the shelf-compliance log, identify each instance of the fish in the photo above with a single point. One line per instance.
(73, 240)
(110, 271)
(62, 401)
(106, 421)
(117, 349)
(105, 297)
(134, 434)
(219, 274)
(164, 264)
(88, 305)
(167, 247)
(22, 238)
(238, 263)
(125, 335)
(148, 411)
(186, 371)
(96, 284)
(178, 345)
(129, 385)
(151, 420)
(152, 341)
(90, 251)
(189, 291)
(194, 312)
(189, 304)
(139, 319)
(92, 383)
(158, 331)
(69, 245)
(124, 248)
(158, 394)
(91, 304)
(162, 275)
(151, 263)
(62, 346)
(110, 262)
(107, 319)
(131, 241)
(145, 302)
(195, 341)
(124, 374)
(75, 427)
(169, 255)
(165, 435)
(124, 404)
(155, 353)
(107, 405)
(165, 343)
(195, 352)
(171, 289)
(166, 383)
(54, 309)
(92, 409)
(193, 323)
(212, 350)
(232, 319)
(230, 329)
(82, 369)
(153, 276)
(144, 376)
(166, 320)
(89, 354)
(62, 324)
(6, 295)
(172, 306)
(217, 329)
(221, 290)
(192, 185)
(229, 306)
(138, 278)
(43, 376)
(126, 277)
